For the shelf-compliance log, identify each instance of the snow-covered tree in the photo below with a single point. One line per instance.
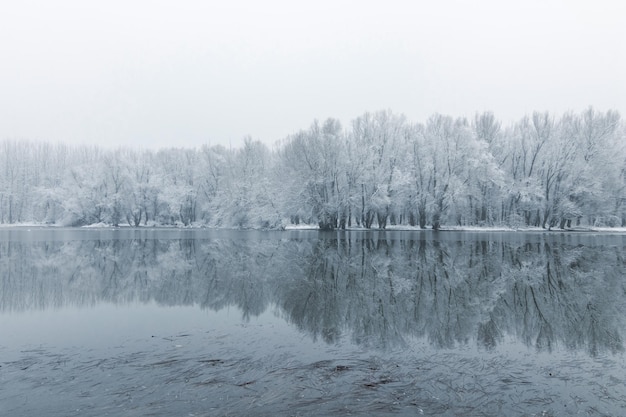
(540, 171)
(377, 139)
(314, 164)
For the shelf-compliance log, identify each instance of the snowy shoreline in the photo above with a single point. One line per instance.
(313, 227)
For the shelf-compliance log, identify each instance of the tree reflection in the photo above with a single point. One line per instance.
(379, 290)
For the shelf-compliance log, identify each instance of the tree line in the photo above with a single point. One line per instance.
(541, 171)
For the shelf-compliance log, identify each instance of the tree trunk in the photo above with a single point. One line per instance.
(382, 219)
(436, 221)
(412, 219)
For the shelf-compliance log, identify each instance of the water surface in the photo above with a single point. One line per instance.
(202, 322)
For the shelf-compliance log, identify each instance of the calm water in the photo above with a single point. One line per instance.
(196, 322)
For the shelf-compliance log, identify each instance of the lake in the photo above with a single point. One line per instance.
(164, 322)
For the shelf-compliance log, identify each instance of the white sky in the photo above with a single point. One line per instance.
(185, 73)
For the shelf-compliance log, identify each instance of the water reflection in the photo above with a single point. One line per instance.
(378, 289)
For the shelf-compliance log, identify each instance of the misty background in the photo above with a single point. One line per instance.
(159, 74)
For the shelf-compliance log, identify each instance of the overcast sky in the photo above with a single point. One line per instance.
(185, 73)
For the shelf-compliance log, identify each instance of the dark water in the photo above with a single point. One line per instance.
(220, 323)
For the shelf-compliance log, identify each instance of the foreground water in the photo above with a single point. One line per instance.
(219, 323)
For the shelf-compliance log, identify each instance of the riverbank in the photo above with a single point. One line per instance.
(580, 229)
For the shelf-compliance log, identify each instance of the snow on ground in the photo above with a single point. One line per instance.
(609, 229)
(26, 224)
(303, 226)
(97, 225)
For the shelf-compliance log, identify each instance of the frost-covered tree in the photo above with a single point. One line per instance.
(420, 167)
(247, 199)
(542, 170)
(377, 139)
(522, 150)
(597, 186)
(213, 167)
(15, 176)
(486, 178)
(313, 162)
(142, 188)
(179, 193)
(450, 146)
